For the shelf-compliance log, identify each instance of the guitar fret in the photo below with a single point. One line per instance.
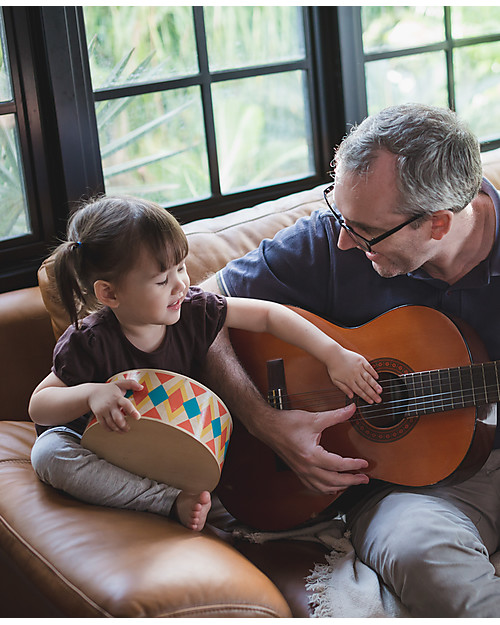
(435, 391)
(457, 391)
(469, 396)
(448, 389)
(445, 389)
(451, 397)
(418, 392)
(478, 388)
(490, 372)
(428, 398)
(412, 411)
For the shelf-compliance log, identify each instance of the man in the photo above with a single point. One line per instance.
(410, 222)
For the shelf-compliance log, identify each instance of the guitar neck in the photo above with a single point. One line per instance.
(449, 389)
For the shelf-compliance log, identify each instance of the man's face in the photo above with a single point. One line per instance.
(369, 204)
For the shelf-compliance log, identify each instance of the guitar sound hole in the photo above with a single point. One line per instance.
(394, 406)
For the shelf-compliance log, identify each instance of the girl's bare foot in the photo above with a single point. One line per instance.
(192, 509)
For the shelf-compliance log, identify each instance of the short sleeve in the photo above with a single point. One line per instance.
(292, 268)
(75, 357)
(203, 316)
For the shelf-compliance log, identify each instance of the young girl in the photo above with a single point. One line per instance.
(127, 257)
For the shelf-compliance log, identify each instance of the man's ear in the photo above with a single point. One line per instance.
(440, 224)
(106, 293)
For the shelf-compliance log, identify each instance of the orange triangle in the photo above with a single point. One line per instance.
(186, 425)
(163, 377)
(197, 390)
(206, 417)
(152, 414)
(211, 444)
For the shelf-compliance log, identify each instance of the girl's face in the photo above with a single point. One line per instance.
(147, 296)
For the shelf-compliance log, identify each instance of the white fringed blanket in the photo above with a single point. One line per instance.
(341, 587)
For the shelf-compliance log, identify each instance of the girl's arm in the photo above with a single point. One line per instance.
(54, 403)
(350, 371)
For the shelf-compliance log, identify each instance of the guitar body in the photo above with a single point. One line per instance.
(406, 449)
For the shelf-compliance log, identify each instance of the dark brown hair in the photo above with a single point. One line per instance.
(103, 241)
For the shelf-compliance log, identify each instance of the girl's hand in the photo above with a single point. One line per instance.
(110, 406)
(352, 373)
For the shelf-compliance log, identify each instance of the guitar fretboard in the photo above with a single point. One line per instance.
(448, 389)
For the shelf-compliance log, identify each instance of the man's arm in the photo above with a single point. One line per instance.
(293, 434)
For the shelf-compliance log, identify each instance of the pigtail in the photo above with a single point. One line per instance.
(104, 238)
(67, 260)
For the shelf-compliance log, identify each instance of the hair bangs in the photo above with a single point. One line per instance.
(163, 238)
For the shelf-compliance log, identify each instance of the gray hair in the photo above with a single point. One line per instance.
(438, 157)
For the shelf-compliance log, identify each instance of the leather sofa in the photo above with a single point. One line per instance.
(63, 558)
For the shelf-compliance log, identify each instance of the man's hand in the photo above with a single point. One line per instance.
(295, 436)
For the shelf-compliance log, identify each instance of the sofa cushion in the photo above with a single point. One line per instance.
(130, 564)
(491, 166)
(26, 344)
(214, 242)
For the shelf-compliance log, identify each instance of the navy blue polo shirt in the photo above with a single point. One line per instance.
(303, 266)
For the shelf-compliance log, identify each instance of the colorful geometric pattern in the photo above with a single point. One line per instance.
(182, 403)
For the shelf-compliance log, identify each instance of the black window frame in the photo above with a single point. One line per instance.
(219, 203)
(354, 59)
(59, 134)
(20, 257)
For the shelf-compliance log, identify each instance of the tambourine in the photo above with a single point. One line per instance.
(181, 438)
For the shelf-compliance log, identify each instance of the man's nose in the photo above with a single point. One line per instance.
(345, 242)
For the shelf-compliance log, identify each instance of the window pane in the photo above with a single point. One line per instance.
(262, 130)
(241, 36)
(5, 84)
(477, 79)
(400, 27)
(415, 78)
(14, 220)
(474, 21)
(153, 146)
(134, 44)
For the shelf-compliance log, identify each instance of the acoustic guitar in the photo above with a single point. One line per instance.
(436, 422)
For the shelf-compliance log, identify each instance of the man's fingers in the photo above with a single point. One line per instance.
(332, 417)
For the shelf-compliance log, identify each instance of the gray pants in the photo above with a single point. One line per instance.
(59, 460)
(431, 546)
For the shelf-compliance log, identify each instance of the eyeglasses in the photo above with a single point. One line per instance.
(365, 244)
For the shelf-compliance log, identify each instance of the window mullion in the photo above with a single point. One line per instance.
(450, 73)
(206, 95)
(353, 67)
(73, 101)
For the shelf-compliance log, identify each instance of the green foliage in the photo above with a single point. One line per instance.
(13, 220)
(154, 144)
(422, 77)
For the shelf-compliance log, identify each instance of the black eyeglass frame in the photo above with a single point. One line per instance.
(365, 244)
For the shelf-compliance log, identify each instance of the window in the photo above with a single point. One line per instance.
(14, 218)
(208, 109)
(26, 220)
(443, 56)
(195, 103)
(204, 109)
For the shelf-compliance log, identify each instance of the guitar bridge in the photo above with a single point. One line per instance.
(276, 384)
(277, 396)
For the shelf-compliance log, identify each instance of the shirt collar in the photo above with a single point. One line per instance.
(490, 267)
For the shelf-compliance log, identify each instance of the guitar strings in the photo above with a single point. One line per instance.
(399, 384)
(438, 402)
(433, 398)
